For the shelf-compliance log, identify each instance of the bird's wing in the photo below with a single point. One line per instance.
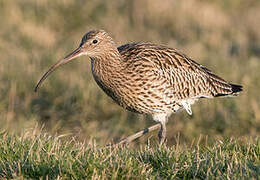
(188, 78)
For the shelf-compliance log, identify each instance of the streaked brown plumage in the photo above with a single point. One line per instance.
(148, 78)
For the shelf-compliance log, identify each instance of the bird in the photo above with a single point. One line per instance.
(147, 78)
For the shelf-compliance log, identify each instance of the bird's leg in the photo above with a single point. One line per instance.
(163, 119)
(136, 135)
(162, 132)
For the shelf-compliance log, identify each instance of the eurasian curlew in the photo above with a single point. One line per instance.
(147, 78)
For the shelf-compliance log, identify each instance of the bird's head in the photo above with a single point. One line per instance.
(93, 44)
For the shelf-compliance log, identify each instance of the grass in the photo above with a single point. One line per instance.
(37, 155)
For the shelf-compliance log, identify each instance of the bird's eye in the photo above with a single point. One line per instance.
(94, 41)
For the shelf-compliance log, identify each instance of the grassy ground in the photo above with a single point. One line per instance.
(37, 155)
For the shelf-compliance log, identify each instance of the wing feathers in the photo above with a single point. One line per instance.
(188, 78)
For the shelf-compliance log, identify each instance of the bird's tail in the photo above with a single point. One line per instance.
(233, 91)
(236, 88)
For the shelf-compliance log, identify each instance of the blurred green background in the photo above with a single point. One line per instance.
(223, 35)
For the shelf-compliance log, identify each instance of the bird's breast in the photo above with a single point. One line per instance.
(136, 91)
(111, 81)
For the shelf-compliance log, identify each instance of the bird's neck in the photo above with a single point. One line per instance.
(105, 68)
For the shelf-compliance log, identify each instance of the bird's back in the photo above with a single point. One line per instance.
(169, 80)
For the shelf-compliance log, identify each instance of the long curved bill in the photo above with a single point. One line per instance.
(68, 58)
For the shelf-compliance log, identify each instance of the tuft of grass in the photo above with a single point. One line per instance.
(37, 155)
